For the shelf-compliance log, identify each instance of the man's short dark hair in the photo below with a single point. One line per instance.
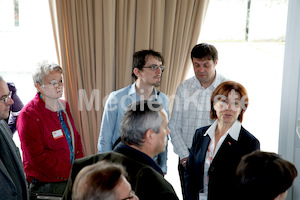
(140, 59)
(205, 50)
(264, 175)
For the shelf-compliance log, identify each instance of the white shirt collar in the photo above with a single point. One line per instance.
(234, 130)
(132, 89)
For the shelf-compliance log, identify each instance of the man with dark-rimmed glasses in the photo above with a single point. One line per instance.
(147, 68)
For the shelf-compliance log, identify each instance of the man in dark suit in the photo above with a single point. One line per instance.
(13, 184)
(144, 133)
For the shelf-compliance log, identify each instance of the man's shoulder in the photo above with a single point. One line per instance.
(149, 178)
(186, 84)
(3, 126)
(143, 176)
(162, 97)
(220, 78)
(132, 166)
(92, 159)
(7, 136)
(121, 92)
(159, 93)
(112, 156)
(188, 81)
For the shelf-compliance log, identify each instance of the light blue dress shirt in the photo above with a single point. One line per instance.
(114, 110)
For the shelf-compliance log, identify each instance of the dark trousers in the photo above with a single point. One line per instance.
(181, 176)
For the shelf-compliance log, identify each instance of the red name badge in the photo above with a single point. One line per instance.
(57, 134)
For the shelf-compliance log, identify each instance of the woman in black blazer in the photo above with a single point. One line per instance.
(218, 148)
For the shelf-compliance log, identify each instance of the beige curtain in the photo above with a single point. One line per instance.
(96, 39)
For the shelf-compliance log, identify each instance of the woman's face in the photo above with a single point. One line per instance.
(53, 85)
(228, 108)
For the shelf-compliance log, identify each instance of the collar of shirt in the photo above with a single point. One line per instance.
(132, 91)
(234, 130)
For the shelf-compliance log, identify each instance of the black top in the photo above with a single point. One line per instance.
(147, 183)
(138, 155)
(221, 184)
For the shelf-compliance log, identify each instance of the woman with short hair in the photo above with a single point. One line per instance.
(218, 148)
(49, 139)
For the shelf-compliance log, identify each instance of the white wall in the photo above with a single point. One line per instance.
(289, 141)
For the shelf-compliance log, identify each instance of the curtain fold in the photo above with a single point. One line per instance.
(97, 38)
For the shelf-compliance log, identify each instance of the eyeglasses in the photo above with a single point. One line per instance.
(5, 97)
(54, 83)
(155, 67)
(132, 195)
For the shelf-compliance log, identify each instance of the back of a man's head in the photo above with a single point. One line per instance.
(139, 117)
(98, 181)
(264, 176)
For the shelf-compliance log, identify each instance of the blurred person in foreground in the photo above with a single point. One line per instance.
(103, 180)
(264, 176)
(217, 149)
(144, 131)
(49, 139)
(13, 184)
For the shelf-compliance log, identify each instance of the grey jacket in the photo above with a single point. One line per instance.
(7, 186)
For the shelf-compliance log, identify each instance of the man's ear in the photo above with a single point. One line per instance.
(136, 72)
(149, 136)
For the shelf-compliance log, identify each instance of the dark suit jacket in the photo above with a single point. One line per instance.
(222, 169)
(7, 185)
(145, 180)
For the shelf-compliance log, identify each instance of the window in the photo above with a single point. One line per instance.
(257, 63)
(26, 40)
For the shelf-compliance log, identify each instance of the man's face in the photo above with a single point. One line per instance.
(148, 76)
(163, 132)
(4, 107)
(205, 70)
